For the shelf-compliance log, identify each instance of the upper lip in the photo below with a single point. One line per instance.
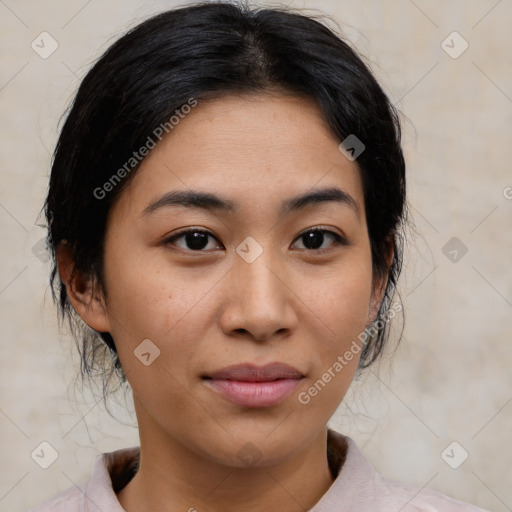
(253, 373)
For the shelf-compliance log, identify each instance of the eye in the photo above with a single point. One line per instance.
(314, 238)
(193, 239)
(196, 240)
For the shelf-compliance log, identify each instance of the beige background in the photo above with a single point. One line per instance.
(451, 377)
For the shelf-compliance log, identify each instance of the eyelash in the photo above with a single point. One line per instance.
(339, 240)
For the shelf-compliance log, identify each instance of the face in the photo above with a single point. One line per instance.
(259, 280)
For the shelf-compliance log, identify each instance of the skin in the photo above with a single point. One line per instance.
(207, 310)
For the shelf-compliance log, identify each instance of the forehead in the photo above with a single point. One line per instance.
(242, 126)
(252, 148)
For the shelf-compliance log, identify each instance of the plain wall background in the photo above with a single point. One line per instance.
(449, 380)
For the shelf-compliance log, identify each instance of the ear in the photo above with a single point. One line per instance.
(81, 290)
(380, 283)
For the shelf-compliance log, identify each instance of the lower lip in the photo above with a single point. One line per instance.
(254, 394)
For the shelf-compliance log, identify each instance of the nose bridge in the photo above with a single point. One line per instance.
(259, 298)
(256, 266)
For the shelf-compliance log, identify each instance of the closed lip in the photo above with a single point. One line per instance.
(249, 372)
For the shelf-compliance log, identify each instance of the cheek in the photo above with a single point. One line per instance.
(337, 307)
(138, 299)
(147, 296)
(340, 296)
(150, 299)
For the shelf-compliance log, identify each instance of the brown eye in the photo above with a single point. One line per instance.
(196, 240)
(193, 240)
(314, 239)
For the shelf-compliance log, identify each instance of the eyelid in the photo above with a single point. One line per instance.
(185, 231)
(339, 239)
(325, 229)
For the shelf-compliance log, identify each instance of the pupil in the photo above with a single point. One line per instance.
(314, 239)
(197, 240)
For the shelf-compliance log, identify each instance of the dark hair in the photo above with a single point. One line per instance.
(202, 51)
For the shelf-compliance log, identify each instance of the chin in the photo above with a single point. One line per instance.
(256, 447)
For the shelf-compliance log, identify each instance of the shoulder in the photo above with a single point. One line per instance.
(360, 486)
(111, 472)
(421, 499)
(67, 501)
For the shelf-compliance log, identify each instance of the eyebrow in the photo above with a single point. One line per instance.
(211, 202)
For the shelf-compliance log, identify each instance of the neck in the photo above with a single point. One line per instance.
(172, 477)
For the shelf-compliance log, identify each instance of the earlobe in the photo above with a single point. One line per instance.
(81, 291)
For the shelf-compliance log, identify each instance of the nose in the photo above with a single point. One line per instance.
(258, 298)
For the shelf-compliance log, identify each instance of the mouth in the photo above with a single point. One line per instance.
(248, 385)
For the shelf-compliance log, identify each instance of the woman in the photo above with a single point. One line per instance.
(225, 212)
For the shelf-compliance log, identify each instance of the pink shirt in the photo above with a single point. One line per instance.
(356, 488)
